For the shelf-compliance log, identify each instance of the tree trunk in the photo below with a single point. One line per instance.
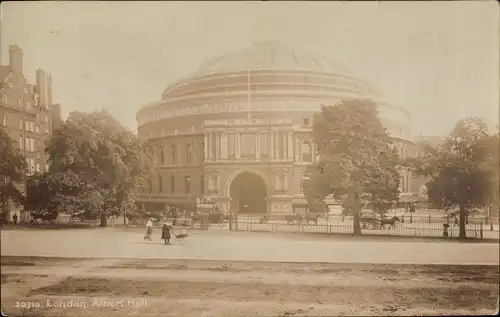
(104, 220)
(461, 228)
(356, 222)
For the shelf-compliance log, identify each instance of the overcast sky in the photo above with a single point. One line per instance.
(438, 60)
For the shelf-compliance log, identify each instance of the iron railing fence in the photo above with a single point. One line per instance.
(432, 227)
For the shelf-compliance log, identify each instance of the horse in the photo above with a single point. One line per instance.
(369, 222)
(218, 218)
(44, 217)
(197, 217)
(312, 218)
(290, 219)
(391, 222)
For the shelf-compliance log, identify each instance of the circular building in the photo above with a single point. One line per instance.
(240, 129)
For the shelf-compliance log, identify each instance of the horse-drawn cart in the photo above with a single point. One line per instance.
(207, 212)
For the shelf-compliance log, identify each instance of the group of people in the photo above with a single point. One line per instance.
(166, 232)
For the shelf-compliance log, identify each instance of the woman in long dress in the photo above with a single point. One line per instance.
(149, 230)
(165, 233)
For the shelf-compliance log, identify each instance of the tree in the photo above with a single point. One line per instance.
(493, 167)
(12, 170)
(460, 170)
(97, 166)
(356, 162)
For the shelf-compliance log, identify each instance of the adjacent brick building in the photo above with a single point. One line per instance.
(27, 112)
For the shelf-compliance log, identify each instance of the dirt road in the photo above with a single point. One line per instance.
(113, 287)
(245, 246)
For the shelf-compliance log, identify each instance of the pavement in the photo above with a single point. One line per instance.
(244, 246)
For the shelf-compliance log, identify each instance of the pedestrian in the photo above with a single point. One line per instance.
(165, 233)
(149, 230)
(14, 218)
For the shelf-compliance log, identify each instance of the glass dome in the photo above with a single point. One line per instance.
(269, 56)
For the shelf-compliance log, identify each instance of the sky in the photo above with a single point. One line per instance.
(438, 60)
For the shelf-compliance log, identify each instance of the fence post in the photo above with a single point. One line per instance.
(429, 218)
(481, 231)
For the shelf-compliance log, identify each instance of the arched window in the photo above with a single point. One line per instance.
(160, 184)
(306, 151)
(161, 154)
(202, 184)
(173, 153)
(187, 184)
(172, 184)
(188, 153)
(305, 177)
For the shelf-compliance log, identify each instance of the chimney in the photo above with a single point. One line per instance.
(49, 90)
(16, 59)
(55, 117)
(41, 82)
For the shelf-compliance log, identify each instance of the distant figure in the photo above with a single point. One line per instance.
(14, 218)
(165, 233)
(149, 230)
(445, 230)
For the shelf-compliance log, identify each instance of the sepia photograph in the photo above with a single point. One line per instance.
(253, 158)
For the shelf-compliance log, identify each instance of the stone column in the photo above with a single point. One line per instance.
(224, 145)
(297, 150)
(271, 139)
(313, 152)
(257, 146)
(237, 137)
(205, 146)
(285, 146)
(290, 145)
(217, 146)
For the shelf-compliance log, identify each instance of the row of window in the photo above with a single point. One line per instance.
(30, 144)
(29, 126)
(247, 148)
(172, 189)
(404, 184)
(34, 167)
(248, 145)
(173, 155)
(31, 100)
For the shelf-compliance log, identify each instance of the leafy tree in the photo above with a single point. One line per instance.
(492, 164)
(460, 170)
(12, 169)
(97, 166)
(356, 162)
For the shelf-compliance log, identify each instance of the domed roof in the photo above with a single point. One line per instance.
(269, 56)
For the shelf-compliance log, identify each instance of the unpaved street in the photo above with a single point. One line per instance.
(245, 246)
(111, 287)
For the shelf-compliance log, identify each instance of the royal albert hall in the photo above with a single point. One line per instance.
(239, 130)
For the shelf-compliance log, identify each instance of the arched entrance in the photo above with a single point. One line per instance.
(248, 194)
